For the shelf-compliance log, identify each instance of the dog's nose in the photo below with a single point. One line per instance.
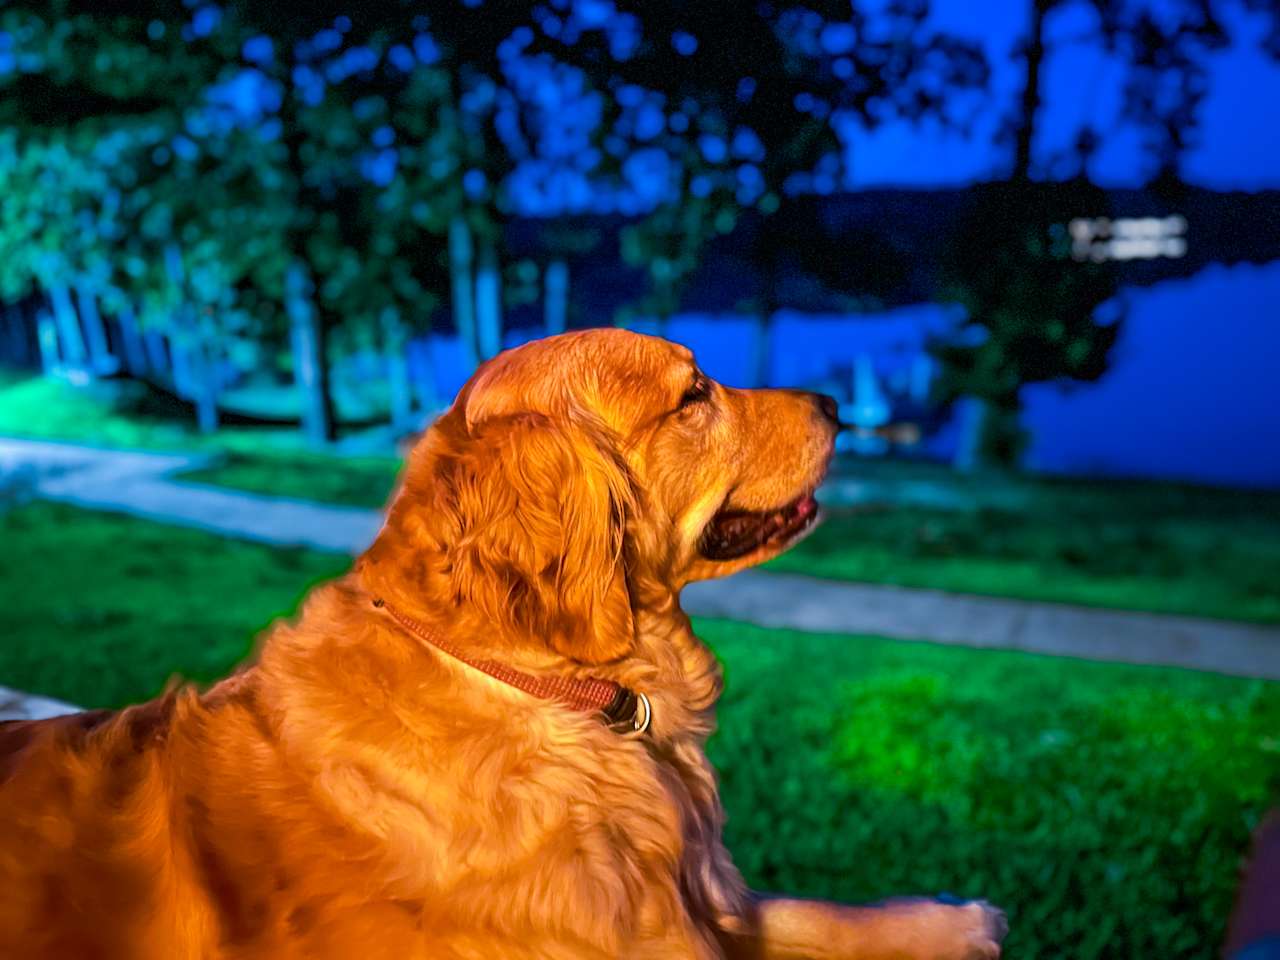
(830, 409)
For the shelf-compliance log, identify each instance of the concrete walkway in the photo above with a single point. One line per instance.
(140, 483)
(15, 705)
(907, 613)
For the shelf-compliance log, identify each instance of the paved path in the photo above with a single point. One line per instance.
(140, 483)
(15, 705)
(907, 613)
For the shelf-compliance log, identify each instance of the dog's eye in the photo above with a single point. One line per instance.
(700, 390)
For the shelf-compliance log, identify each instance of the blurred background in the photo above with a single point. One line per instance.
(1032, 246)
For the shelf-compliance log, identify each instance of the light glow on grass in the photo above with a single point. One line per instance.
(1105, 806)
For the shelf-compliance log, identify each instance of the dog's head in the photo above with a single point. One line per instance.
(571, 471)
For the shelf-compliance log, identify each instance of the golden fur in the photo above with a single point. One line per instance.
(353, 793)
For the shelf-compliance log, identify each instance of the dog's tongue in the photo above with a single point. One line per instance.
(736, 532)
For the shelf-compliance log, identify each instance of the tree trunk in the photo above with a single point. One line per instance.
(179, 348)
(488, 300)
(555, 283)
(17, 350)
(135, 355)
(311, 372)
(401, 394)
(991, 435)
(973, 418)
(463, 289)
(193, 375)
(159, 359)
(73, 352)
(1025, 122)
(976, 414)
(47, 338)
(204, 367)
(183, 376)
(761, 329)
(192, 368)
(100, 359)
(205, 393)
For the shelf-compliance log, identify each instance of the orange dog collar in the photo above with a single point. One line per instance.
(624, 710)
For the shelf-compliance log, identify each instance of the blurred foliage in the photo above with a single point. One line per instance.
(243, 142)
(1033, 313)
(106, 169)
(1165, 51)
(183, 162)
(254, 134)
(1106, 807)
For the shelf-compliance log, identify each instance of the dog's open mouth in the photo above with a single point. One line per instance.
(735, 533)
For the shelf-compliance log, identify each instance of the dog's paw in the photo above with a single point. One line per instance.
(970, 930)
(980, 929)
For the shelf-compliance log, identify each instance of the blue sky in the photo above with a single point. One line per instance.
(1239, 141)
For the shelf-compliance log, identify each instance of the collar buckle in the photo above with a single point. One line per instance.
(630, 712)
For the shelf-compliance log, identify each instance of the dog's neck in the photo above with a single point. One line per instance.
(667, 662)
(680, 667)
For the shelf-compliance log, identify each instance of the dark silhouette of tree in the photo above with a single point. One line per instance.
(1165, 54)
(743, 105)
(1163, 51)
(1033, 311)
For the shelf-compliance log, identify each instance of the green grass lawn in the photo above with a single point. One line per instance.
(271, 460)
(1106, 806)
(1129, 545)
(99, 609)
(108, 414)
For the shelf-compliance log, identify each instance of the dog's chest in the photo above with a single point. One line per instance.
(629, 840)
(689, 882)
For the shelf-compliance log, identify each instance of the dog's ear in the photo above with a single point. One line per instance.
(540, 509)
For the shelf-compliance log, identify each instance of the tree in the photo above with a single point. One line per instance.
(533, 129)
(96, 114)
(562, 242)
(744, 105)
(291, 175)
(1165, 55)
(1033, 313)
(401, 133)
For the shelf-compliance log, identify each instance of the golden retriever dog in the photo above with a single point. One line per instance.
(486, 740)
